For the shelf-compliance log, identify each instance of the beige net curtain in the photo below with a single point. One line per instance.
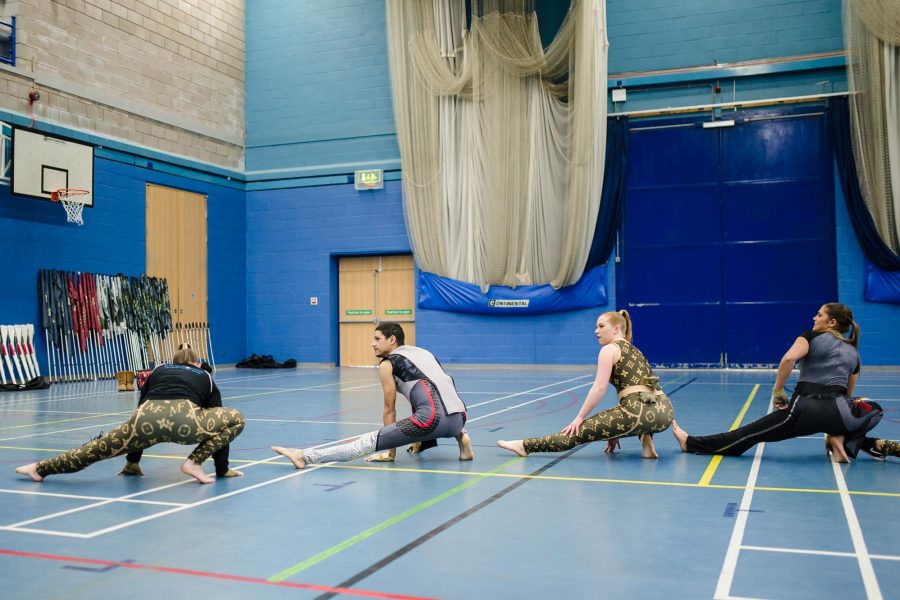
(502, 141)
(872, 32)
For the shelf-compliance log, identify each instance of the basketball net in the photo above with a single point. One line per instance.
(73, 201)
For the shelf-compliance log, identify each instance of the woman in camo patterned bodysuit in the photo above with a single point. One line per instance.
(643, 408)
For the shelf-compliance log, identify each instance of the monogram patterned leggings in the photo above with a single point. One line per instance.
(890, 448)
(155, 422)
(636, 414)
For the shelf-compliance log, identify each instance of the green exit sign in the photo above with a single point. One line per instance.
(372, 179)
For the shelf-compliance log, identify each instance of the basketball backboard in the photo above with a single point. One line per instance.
(5, 153)
(43, 163)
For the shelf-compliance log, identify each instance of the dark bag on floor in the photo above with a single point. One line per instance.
(265, 362)
(36, 383)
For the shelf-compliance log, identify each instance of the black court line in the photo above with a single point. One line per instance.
(685, 384)
(348, 583)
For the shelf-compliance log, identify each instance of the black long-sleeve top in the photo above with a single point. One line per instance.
(176, 382)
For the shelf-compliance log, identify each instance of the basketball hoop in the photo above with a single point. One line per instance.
(73, 201)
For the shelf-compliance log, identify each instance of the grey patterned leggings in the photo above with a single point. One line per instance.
(636, 414)
(155, 422)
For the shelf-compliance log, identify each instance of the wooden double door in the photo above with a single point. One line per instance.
(373, 289)
(176, 250)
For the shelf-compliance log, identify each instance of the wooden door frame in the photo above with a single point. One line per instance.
(334, 290)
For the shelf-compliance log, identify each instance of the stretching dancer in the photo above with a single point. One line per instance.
(643, 408)
(438, 411)
(821, 402)
(179, 403)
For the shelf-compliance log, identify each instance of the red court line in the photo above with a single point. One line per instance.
(222, 576)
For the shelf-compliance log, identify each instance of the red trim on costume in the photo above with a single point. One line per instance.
(430, 400)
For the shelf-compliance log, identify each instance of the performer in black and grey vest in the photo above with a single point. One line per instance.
(822, 402)
(437, 410)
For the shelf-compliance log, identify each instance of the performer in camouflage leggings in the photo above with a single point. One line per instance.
(643, 407)
(880, 449)
(179, 403)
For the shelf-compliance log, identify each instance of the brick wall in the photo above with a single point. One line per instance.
(163, 74)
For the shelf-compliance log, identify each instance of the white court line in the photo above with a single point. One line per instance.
(31, 435)
(66, 397)
(286, 374)
(103, 502)
(800, 551)
(65, 412)
(17, 526)
(531, 391)
(313, 422)
(111, 392)
(78, 497)
(818, 552)
(503, 410)
(873, 591)
(242, 490)
(726, 576)
(45, 532)
(304, 389)
(202, 502)
(470, 393)
(884, 557)
(528, 392)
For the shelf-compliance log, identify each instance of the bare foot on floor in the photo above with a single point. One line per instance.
(513, 446)
(835, 448)
(681, 435)
(295, 455)
(648, 450)
(465, 447)
(30, 470)
(191, 468)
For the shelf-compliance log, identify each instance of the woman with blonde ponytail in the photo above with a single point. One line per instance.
(822, 401)
(643, 408)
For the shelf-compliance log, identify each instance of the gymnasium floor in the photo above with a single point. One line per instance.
(780, 522)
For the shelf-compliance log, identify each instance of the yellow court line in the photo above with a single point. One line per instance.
(395, 469)
(715, 460)
(600, 480)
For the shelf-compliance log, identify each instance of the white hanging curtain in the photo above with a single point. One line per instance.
(872, 32)
(502, 142)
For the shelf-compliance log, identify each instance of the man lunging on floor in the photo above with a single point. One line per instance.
(437, 410)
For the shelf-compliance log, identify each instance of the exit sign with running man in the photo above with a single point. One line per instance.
(372, 179)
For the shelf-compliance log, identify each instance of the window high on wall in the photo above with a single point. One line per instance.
(8, 11)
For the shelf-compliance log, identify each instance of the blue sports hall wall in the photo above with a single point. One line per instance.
(293, 238)
(36, 236)
(309, 126)
(319, 107)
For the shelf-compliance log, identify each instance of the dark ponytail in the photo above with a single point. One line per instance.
(842, 314)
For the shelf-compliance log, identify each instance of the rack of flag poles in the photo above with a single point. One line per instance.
(97, 326)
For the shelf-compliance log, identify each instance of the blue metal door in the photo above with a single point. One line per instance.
(728, 237)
